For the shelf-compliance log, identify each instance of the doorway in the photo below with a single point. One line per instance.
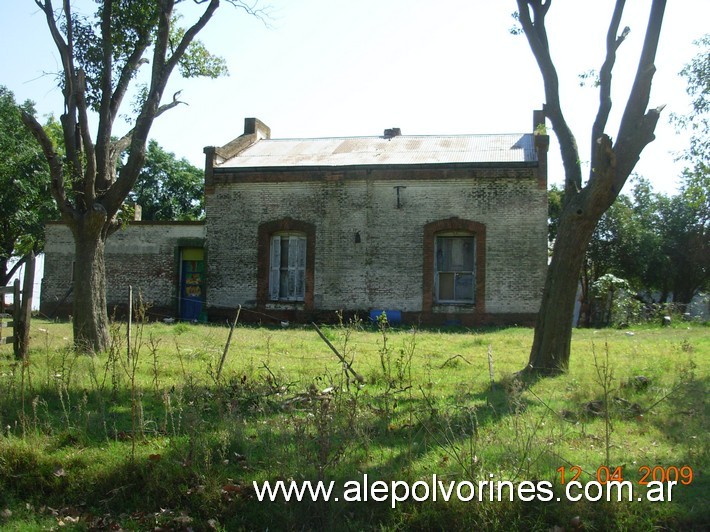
(192, 284)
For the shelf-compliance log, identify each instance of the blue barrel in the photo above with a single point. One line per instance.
(394, 317)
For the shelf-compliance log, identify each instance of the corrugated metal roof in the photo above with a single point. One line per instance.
(354, 151)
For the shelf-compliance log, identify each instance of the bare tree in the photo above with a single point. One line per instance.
(611, 165)
(101, 56)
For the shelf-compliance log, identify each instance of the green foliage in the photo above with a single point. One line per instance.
(589, 78)
(628, 238)
(687, 217)
(197, 61)
(133, 25)
(614, 302)
(697, 121)
(554, 210)
(157, 442)
(168, 188)
(25, 201)
(659, 244)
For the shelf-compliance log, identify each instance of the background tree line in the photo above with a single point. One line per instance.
(656, 247)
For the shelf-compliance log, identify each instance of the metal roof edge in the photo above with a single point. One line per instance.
(388, 166)
(402, 136)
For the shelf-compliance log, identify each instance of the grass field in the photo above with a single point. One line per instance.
(164, 440)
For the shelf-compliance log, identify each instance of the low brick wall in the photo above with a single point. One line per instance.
(144, 255)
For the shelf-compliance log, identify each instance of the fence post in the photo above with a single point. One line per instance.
(130, 319)
(16, 318)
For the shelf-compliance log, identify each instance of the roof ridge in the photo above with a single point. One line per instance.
(382, 137)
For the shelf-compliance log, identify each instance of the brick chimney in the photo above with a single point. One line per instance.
(542, 144)
(539, 122)
(254, 126)
(254, 131)
(392, 132)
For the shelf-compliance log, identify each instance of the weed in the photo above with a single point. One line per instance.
(605, 378)
(89, 435)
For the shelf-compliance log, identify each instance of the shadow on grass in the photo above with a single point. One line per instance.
(194, 451)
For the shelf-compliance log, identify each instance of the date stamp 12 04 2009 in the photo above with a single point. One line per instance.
(653, 478)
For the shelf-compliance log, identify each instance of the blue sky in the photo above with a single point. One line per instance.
(339, 68)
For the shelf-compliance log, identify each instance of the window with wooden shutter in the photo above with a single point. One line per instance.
(287, 267)
(275, 268)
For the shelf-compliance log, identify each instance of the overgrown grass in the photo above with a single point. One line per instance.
(158, 440)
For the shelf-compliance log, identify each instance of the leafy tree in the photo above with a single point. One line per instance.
(687, 227)
(685, 236)
(659, 244)
(627, 244)
(611, 164)
(697, 121)
(24, 187)
(168, 188)
(101, 57)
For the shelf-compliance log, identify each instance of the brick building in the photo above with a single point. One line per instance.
(437, 229)
(162, 260)
(433, 229)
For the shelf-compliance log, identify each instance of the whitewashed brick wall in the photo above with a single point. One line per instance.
(384, 270)
(143, 255)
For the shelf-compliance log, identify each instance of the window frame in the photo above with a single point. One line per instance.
(265, 233)
(446, 227)
(451, 235)
(288, 275)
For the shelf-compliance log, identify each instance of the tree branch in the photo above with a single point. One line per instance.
(629, 148)
(168, 106)
(90, 153)
(65, 54)
(534, 29)
(18, 264)
(134, 62)
(190, 35)
(72, 134)
(261, 13)
(56, 170)
(61, 45)
(103, 135)
(612, 44)
(106, 178)
(119, 146)
(162, 68)
(637, 125)
(122, 144)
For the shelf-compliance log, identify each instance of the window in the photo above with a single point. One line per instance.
(455, 269)
(287, 267)
(286, 263)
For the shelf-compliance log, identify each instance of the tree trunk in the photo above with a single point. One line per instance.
(550, 352)
(90, 319)
(3, 282)
(611, 165)
(4, 278)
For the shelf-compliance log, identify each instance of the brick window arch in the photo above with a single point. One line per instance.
(454, 269)
(290, 245)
